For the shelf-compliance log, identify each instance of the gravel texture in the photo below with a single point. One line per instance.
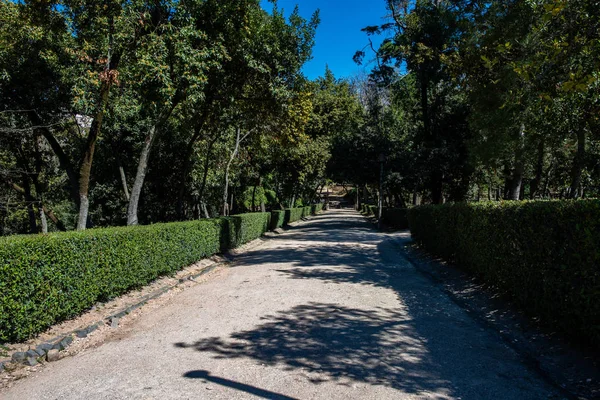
(329, 309)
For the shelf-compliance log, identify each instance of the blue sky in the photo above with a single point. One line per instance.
(338, 36)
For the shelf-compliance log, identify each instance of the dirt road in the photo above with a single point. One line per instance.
(329, 309)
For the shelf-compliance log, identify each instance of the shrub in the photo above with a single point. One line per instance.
(277, 219)
(306, 211)
(316, 208)
(243, 228)
(289, 215)
(544, 254)
(293, 215)
(47, 279)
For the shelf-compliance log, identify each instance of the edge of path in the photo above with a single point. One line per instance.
(572, 369)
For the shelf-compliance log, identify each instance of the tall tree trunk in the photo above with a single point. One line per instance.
(578, 164)
(238, 140)
(425, 105)
(107, 77)
(205, 173)
(262, 198)
(29, 200)
(437, 192)
(43, 220)
(88, 157)
(253, 197)
(124, 181)
(514, 188)
(142, 169)
(140, 176)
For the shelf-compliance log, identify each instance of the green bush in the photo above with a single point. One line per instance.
(369, 209)
(293, 215)
(243, 228)
(544, 254)
(395, 217)
(280, 218)
(306, 211)
(316, 208)
(47, 279)
(277, 219)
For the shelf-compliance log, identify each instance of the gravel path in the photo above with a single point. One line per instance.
(327, 310)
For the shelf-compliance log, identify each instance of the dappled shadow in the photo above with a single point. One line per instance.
(425, 346)
(378, 346)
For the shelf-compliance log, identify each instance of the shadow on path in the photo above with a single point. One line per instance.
(207, 377)
(345, 344)
(425, 345)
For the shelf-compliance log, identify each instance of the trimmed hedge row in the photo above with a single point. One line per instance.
(316, 208)
(47, 279)
(280, 218)
(544, 254)
(243, 228)
(277, 219)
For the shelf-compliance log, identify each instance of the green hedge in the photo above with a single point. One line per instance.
(243, 228)
(47, 279)
(280, 218)
(293, 215)
(316, 208)
(277, 219)
(545, 254)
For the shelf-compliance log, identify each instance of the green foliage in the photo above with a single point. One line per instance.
(277, 219)
(544, 254)
(280, 218)
(260, 197)
(47, 279)
(316, 208)
(243, 228)
(293, 215)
